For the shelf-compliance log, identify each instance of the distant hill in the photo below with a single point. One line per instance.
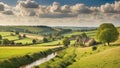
(29, 29)
(76, 28)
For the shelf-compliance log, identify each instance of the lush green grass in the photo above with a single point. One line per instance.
(24, 41)
(5, 33)
(50, 43)
(109, 58)
(11, 37)
(9, 52)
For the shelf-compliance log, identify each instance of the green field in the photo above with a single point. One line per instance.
(6, 35)
(72, 57)
(24, 41)
(109, 58)
(10, 52)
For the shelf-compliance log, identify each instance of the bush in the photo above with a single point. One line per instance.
(66, 41)
(17, 33)
(5, 42)
(24, 35)
(94, 48)
(45, 40)
(0, 37)
(34, 41)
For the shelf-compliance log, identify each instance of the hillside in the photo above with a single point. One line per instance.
(29, 29)
(106, 59)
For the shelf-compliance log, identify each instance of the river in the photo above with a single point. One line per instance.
(40, 61)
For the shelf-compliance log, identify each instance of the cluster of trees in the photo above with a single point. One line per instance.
(6, 42)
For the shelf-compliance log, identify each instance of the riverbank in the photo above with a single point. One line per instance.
(16, 62)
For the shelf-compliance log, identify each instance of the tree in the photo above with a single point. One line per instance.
(84, 37)
(107, 33)
(5, 42)
(45, 40)
(66, 41)
(34, 41)
(20, 37)
(17, 33)
(0, 37)
(24, 35)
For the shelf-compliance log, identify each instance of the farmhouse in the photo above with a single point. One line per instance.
(83, 40)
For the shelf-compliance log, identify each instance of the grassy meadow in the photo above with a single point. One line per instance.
(71, 57)
(86, 57)
(9, 52)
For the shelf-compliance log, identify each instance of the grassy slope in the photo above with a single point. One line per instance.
(9, 52)
(109, 58)
(103, 57)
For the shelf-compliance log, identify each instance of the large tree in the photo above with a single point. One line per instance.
(66, 41)
(107, 33)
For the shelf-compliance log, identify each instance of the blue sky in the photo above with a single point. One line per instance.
(62, 2)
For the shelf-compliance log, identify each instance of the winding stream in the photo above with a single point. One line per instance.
(40, 61)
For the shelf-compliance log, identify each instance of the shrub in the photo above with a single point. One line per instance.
(24, 35)
(94, 48)
(5, 42)
(66, 41)
(45, 40)
(0, 37)
(17, 33)
(34, 41)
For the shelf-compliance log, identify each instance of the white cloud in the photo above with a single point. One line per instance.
(78, 13)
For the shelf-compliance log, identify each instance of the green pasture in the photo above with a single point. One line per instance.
(104, 57)
(10, 52)
(24, 41)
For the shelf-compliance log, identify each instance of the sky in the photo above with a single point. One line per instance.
(63, 2)
(80, 13)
